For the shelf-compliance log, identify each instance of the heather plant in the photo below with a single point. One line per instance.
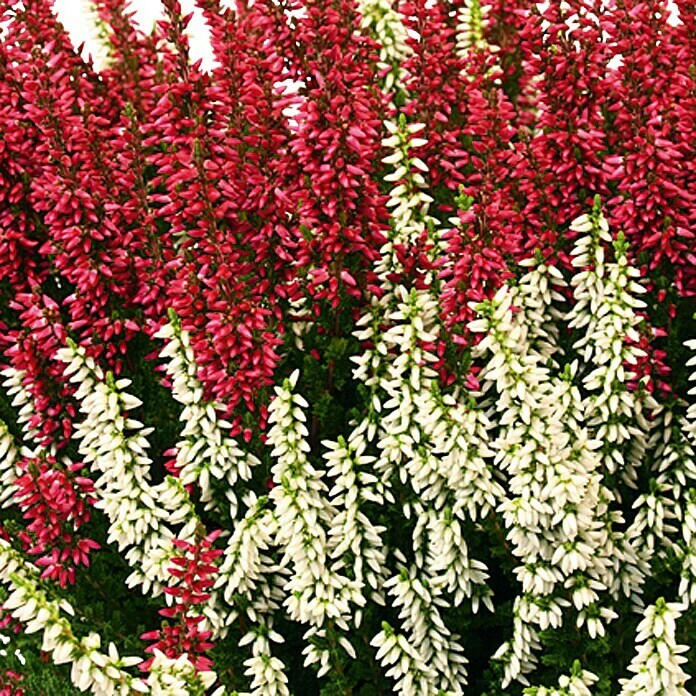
(356, 360)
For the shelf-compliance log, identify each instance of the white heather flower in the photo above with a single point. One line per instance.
(425, 630)
(557, 505)
(351, 532)
(656, 524)
(23, 401)
(408, 203)
(247, 567)
(687, 551)
(103, 673)
(471, 23)
(206, 450)
(248, 570)
(299, 320)
(266, 671)
(449, 565)
(605, 308)
(177, 677)
(679, 471)
(115, 446)
(382, 19)
(427, 442)
(436, 443)
(432, 443)
(316, 592)
(405, 665)
(606, 304)
(690, 421)
(8, 466)
(658, 660)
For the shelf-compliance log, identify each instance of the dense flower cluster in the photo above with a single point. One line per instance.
(397, 296)
(657, 666)
(193, 566)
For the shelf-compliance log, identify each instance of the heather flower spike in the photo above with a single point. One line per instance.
(657, 664)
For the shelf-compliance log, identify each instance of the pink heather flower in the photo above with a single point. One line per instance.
(194, 568)
(56, 503)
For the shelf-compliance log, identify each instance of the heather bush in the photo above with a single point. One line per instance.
(356, 361)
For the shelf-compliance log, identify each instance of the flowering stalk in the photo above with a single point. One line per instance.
(409, 226)
(564, 63)
(206, 450)
(54, 497)
(666, 502)
(178, 676)
(685, 471)
(652, 136)
(471, 28)
(336, 144)
(423, 445)
(247, 570)
(409, 204)
(618, 412)
(352, 534)
(115, 445)
(657, 663)
(381, 18)
(414, 427)
(605, 308)
(218, 275)
(690, 422)
(405, 664)
(56, 503)
(193, 565)
(316, 593)
(427, 634)
(34, 378)
(419, 439)
(141, 515)
(9, 471)
(250, 579)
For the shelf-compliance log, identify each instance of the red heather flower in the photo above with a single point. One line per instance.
(337, 142)
(134, 59)
(69, 179)
(19, 222)
(194, 568)
(258, 177)
(563, 45)
(55, 501)
(437, 81)
(134, 71)
(223, 205)
(505, 21)
(653, 131)
(9, 683)
(31, 351)
(472, 164)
